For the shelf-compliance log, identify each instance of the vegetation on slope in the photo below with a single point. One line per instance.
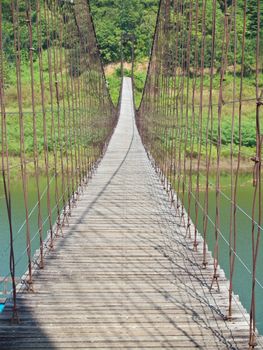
(113, 20)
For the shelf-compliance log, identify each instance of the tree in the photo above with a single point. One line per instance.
(114, 19)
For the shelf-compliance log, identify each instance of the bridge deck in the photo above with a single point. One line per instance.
(124, 276)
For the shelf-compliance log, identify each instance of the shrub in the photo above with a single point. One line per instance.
(248, 133)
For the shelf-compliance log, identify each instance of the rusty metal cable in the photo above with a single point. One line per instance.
(17, 50)
(68, 111)
(36, 150)
(6, 172)
(192, 82)
(257, 182)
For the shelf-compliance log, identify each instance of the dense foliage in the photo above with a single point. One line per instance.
(114, 17)
(138, 17)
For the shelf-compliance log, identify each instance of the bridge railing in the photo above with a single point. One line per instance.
(200, 120)
(56, 120)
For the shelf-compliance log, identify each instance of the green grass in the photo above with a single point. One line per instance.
(139, 81)
(114, 85)
(248, 133)
(192, 128)
(91, 115)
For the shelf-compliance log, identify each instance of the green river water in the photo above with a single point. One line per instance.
(243, 261)
(18, 222)
(242, 280)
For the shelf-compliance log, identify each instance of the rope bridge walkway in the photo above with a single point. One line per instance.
(99, 241)
(124, 276)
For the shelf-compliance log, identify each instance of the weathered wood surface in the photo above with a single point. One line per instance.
(123, 276)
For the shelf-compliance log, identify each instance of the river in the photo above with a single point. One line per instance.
(18, 221)
(242, 277)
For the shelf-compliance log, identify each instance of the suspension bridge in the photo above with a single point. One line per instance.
(111, 253)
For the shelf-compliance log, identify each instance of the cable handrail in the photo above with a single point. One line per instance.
(260, 284)
(185, 91)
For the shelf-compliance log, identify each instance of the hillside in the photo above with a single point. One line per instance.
(138, 17)
(114, 19)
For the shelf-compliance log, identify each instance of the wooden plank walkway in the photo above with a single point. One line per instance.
(123, 276)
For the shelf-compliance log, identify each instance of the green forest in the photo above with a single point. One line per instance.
(138, 17)
(116, 18)
(143, 28)
(119, 21)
